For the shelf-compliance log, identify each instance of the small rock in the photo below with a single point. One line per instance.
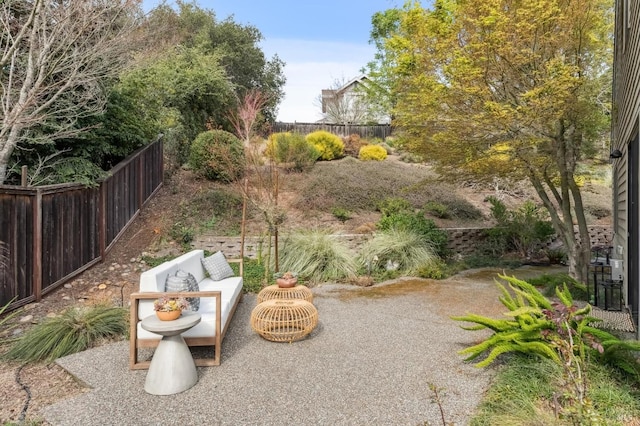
(102, 286)
(26, 318)
(17, 331)
(30, 306)
(111, 268)
(52, 315)
(124, 274)
(82, 300)
(66, 298)
(67, 285)
(133, 260)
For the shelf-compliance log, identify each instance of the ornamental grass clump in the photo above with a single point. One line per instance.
(397, 249)
(317, 256)
(75, 330)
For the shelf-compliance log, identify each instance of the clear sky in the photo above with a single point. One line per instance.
(320, 42)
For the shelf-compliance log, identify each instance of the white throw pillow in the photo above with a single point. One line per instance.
(217, 266)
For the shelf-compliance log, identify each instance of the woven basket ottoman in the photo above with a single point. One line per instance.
(280, 320)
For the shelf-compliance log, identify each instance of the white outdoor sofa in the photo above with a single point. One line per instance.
(218, 302)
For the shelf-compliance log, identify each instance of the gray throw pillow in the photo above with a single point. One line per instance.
(217, 266)
(183, 281)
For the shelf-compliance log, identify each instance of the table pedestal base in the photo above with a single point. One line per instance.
(172, 369)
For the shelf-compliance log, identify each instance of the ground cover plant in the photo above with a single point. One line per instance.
(522, 393)
(357, 185)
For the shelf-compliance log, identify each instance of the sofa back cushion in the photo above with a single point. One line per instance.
(217, 266)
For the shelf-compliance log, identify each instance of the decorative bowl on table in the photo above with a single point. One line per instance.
(168, 308)
(286, 280)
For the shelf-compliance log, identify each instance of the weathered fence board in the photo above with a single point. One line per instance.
(52, 233)
(381, 131)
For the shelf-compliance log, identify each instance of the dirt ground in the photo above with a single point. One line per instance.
(26, 390)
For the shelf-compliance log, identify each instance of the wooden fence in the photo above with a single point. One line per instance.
(381, 131)
(54, 232)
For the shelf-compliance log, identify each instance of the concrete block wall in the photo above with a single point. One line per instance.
(462, 241)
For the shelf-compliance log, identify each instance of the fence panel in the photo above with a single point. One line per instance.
(52, 233)
(69, 232)
(17, 235)
(381, 131)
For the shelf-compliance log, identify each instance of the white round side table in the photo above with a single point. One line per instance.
(172, 369)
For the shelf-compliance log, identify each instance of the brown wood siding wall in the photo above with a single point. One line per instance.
(381, 131)
(54, 232)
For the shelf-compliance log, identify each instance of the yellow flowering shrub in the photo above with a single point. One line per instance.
(372, 152)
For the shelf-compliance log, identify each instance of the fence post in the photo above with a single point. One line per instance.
(102, 218)
(37, 246)
(24, 177)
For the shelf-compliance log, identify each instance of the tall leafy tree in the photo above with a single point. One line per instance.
(235, 46)
(510, 88)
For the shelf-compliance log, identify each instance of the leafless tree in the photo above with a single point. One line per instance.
(55, 58)
(245, 118)
(342, 105)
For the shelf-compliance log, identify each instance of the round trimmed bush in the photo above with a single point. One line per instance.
(217, 155)
(372, 152)
(329, 146)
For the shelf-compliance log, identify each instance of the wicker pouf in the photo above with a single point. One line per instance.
(284, 320)
(274, 292)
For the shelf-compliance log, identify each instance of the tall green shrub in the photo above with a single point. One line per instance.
(291, 149)
(329, 146)
(398, 214)
(217, 155)
(523, 230)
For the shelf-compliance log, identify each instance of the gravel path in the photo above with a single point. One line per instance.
(370, 361)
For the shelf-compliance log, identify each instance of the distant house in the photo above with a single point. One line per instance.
(346, 104)
(625, 149)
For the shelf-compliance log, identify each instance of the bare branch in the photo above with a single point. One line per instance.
(57, 58)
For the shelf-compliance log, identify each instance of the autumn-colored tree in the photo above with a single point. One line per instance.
(507, 88)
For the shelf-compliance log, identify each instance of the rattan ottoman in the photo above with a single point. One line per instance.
(280, 320)
(274, 292)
